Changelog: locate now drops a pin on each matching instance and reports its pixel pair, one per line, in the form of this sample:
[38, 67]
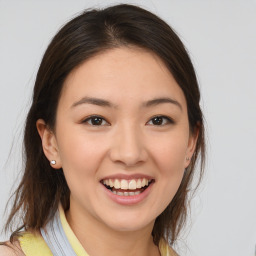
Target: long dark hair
[92, 32]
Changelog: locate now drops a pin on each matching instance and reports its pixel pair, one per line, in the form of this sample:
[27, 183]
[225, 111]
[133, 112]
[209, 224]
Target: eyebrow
[105, 103]
[158, 101]
[94, 101]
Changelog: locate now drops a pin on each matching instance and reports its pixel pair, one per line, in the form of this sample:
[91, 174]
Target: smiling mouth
[127, 187]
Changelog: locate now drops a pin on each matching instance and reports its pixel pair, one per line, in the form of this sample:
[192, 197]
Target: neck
[99, 239]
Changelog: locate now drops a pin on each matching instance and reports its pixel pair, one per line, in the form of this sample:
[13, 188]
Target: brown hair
[92, 32]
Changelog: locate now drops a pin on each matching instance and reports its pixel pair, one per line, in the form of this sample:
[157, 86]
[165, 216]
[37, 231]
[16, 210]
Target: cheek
[169, 154]
[80, 156]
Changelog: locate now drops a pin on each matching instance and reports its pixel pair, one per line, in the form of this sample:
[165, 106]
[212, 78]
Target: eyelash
[87, 120]
[168, 120]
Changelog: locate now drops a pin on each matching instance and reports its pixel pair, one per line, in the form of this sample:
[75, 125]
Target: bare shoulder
[10, 249]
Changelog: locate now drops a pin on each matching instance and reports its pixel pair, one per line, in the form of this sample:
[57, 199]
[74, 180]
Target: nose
[128, 147]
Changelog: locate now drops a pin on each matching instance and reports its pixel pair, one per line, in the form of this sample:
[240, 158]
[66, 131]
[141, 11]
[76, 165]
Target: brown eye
[160, 120]
[95, 121]
[157, 120]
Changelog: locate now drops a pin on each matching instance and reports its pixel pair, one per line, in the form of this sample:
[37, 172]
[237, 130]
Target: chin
[126, 223]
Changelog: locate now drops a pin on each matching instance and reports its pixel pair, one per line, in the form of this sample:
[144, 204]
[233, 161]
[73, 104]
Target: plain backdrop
[221, 38]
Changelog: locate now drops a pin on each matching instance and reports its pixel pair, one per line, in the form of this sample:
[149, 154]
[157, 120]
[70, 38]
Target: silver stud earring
[53, 162]
[187, 158]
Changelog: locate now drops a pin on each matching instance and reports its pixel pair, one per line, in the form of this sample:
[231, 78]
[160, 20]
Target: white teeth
[124, 184]
[132, 185]
[111, 184]
[126, 193]
[138, 185]
[117, 184]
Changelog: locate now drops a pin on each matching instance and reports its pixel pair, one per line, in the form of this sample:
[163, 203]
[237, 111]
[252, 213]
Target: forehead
[120, 74]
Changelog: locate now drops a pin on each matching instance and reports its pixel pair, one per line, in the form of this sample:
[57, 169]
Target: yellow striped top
[34, 244]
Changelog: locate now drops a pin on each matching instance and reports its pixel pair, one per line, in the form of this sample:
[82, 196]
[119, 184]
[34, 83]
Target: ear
[192, 142]
[49, 143]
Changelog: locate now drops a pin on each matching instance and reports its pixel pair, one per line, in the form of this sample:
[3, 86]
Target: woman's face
[121, 124]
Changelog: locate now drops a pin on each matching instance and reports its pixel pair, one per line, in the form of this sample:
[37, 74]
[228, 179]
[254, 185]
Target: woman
[111, 140]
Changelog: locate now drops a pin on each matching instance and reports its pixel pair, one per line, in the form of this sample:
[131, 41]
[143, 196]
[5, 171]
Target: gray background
[221, 38]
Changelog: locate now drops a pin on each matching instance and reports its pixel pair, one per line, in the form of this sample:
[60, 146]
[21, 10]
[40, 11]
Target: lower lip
[129, 200]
